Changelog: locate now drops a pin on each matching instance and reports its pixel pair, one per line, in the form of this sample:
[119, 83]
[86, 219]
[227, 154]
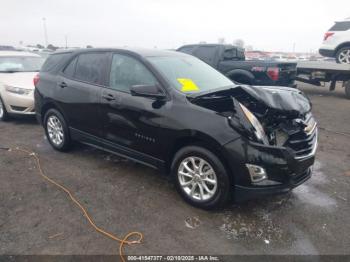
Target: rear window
[340, 26]
[90, 68]
[241, 53]
[234, 54]
[54, 61]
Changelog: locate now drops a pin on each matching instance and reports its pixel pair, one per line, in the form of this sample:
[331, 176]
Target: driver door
[130, 123]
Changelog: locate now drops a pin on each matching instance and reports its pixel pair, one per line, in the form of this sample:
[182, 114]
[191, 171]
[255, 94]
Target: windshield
[12, 64]
[189, 74]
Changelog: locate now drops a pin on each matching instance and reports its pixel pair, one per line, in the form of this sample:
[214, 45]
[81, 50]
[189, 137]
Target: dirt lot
[36, 218]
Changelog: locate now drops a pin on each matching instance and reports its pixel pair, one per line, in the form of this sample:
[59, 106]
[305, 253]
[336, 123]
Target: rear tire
[4, 116]
[208, 177]
[343, 55]
[56, 130]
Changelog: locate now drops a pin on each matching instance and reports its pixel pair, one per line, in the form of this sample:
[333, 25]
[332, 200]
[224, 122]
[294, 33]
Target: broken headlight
[258, 129]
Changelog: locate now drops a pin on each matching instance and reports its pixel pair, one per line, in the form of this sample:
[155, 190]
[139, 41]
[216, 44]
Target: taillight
[327, 35]
[36, 79]
[273, 73]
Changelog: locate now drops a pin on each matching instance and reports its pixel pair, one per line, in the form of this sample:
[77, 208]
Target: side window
[89, 68]
[206, 53]
[230, 54]
[70, 68]
[126, 71]
[340, 26]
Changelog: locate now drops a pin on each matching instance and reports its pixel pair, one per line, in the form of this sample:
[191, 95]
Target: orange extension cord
[92, 223]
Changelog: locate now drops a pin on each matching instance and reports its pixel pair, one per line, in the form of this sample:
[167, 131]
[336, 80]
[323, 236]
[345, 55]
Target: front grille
[304, 142]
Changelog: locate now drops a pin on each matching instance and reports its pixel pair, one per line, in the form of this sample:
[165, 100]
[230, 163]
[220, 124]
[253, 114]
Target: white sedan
[17, 71]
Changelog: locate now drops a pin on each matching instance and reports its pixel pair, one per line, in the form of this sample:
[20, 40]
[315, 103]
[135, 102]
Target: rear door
[79, 88]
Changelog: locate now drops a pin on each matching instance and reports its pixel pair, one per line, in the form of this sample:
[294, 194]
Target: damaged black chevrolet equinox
[173, 112]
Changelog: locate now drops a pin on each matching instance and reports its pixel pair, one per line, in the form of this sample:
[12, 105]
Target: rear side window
[90, 68]
[340, 26]
[70, 68]
[126, 71]
[54, 61]
[187, 49]
[206, 53]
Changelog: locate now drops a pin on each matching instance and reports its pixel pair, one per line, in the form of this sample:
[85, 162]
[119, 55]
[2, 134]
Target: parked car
[7, 48]
[230, 61]
[336, 42]
[17, 70]
[173, 112]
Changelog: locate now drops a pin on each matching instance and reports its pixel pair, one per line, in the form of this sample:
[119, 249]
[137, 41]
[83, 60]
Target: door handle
[108, 97]
[63, 84]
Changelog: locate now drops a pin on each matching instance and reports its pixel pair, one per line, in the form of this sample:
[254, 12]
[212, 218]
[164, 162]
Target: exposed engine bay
[284, 113]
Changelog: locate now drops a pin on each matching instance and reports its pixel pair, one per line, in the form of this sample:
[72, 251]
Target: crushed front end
[278, 142]
[287, 162]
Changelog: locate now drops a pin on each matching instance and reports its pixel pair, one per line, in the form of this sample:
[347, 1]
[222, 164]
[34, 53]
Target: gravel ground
[122, 196]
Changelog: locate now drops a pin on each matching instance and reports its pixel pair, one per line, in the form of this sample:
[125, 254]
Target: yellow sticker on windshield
[187, 85]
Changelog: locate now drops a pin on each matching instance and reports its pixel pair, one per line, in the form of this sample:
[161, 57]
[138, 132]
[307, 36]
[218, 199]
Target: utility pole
[66, 39]
[45, 32]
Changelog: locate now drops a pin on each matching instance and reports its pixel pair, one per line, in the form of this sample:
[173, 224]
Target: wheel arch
[241, 73]
[341, 46]
[51, 105]
[197, 139]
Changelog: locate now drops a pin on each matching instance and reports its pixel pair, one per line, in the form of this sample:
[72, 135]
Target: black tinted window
[187, 49]
[90, 67]
[340, 26]
[70, 68]
[127, 71]
[206, 53]
[54, 61]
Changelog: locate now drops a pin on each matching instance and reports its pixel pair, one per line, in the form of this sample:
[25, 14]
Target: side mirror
[152, 91]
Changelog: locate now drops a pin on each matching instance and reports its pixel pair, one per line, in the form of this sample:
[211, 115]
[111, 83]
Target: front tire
[343, 55]
[4, 116]
[56, 130]
[201, 178]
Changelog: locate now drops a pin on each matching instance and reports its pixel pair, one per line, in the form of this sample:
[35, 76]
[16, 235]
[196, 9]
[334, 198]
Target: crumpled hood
[18, 79]
[279, 98]
[275, 101]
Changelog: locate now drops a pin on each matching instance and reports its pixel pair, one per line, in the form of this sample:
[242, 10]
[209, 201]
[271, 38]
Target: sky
[269, 25]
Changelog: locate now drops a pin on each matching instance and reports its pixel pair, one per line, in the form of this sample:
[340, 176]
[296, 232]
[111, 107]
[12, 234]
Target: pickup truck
[230, 60]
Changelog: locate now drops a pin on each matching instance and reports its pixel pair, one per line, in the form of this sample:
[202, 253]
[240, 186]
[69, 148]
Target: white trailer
[318, 72]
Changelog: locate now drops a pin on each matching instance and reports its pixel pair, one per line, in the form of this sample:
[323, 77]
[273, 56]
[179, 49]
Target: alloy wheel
[344, 56]
[197, 178]
[55, 130]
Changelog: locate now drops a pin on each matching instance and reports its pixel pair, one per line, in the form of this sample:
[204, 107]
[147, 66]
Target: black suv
[173, 112]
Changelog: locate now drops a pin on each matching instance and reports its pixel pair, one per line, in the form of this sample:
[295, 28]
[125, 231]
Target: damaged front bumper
[283, 167]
